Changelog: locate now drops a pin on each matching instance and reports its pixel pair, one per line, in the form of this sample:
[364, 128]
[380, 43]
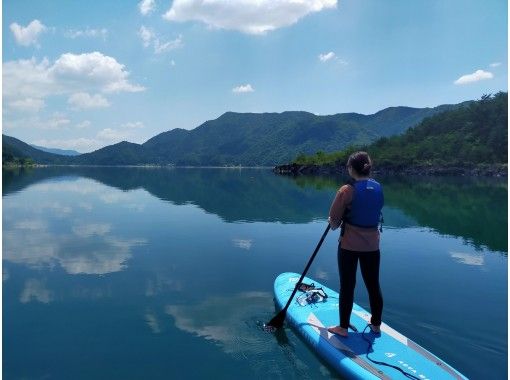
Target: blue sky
[83, 75]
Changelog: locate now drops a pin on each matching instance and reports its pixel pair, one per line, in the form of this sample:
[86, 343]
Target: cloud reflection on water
[245, 244]
[31, 225]
[468, 259]
[162, 284]
[88, 254]
[152, 322]
[35, 290]
[90, 229]
[234, 324]
[49, 225]
[225, 320]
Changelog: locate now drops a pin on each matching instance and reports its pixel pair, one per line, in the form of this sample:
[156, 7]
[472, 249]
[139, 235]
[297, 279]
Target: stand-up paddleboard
[351, 356]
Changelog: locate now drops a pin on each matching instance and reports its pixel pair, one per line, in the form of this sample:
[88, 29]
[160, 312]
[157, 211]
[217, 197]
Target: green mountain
[272, 138]
[17, 152]
[248, 139]
[123, 153]
[464, 136]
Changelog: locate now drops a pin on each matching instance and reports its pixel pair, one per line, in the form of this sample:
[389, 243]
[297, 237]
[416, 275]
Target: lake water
[133, 273]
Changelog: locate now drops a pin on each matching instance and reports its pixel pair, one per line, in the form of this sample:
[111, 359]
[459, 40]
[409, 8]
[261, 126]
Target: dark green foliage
[464, 136]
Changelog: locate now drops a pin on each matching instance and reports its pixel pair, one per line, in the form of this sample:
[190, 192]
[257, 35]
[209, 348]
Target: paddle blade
[277, 321]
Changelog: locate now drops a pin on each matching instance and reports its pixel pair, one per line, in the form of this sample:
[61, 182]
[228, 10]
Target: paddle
[277, 321]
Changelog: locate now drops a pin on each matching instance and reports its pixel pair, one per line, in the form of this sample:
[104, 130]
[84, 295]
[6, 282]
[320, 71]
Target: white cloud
[161, 47]
[80, 144]
[57, 121]
[110, 135]
[74, 33]
[149, 37]
[83, 124]
[331, 56]
[248, 16]
[243, 89]
[27, 79]
[94, 70]
[70, 73]
[106, 136]
[28, 35]
[146, 6]
[26, 105]
[85, 100]
[54, 122]
[134, 125]
[326, 56]
[495, 64]
[172, 63]
[478, 75]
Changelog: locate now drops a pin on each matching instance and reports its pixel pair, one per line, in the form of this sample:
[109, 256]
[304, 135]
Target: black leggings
[347, 267]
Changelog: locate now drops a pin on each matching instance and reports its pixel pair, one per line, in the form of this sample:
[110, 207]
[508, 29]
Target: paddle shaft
[306, 268]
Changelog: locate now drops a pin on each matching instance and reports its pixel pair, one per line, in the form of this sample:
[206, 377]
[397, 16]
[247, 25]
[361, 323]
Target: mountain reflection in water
[474, 209]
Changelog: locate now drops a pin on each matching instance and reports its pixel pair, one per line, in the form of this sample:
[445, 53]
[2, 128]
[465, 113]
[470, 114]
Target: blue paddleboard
[351, 356]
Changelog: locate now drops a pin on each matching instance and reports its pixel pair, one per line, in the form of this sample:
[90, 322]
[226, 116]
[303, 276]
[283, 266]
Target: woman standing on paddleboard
[357, 210]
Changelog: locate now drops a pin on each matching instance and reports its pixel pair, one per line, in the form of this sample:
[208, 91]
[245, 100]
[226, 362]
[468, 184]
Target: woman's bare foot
[338, 331]
[375, 329]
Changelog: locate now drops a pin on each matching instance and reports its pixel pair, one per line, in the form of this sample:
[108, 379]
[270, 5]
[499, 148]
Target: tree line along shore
[469, 140]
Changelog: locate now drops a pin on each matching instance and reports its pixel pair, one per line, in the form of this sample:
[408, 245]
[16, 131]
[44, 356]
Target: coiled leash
[370, 344]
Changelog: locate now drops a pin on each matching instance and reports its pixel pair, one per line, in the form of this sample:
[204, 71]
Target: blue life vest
[366, 206]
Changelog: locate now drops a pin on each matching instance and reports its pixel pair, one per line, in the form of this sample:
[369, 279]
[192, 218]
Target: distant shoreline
[149, 166]
[482, 170]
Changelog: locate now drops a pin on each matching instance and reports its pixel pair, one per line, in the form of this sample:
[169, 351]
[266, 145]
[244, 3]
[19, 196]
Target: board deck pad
[348, 356]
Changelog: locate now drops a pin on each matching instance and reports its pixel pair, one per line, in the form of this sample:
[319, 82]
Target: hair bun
[360, 162]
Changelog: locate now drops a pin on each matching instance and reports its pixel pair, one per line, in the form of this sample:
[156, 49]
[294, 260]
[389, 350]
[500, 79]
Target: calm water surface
[133, 273]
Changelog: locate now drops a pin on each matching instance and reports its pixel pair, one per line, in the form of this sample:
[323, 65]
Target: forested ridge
[476, 134]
